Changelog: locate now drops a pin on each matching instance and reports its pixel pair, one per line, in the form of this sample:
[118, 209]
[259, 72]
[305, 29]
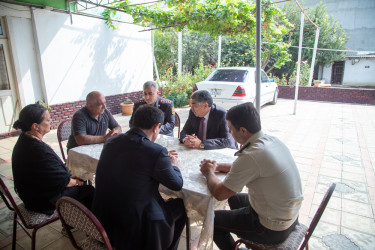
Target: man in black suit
[206, 126]
[127, 201]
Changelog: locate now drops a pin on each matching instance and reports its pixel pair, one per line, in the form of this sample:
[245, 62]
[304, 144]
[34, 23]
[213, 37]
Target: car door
[266, 88]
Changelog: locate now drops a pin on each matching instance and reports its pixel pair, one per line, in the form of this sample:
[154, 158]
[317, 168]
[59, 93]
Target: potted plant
[127, 107]
[40, 102]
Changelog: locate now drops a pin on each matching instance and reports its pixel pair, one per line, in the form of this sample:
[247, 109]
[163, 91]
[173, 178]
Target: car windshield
[228, 75]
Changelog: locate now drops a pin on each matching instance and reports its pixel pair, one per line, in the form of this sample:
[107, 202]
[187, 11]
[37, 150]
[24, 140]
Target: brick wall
[330, 94]
[61, 112]
[65, 111]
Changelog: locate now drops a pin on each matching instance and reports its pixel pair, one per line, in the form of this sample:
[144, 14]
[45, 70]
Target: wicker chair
[294, 239]
[75, 215]
[25, 218]
[63, 133]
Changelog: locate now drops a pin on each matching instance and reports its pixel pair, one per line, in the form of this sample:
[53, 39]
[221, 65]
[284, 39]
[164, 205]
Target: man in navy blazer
[206, 126]
[127, 200]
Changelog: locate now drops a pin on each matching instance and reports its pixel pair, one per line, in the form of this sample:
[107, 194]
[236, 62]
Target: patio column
[299, 62]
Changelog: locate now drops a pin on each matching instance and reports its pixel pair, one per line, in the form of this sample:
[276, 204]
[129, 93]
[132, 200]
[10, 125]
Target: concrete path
[331, 142]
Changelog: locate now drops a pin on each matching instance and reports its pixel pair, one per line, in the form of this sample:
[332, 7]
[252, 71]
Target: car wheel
[275, 95]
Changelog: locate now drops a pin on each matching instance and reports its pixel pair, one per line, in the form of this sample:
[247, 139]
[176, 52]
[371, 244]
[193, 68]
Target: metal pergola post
[314, 56]
[299, 62]
[258, 53]
[219, 53]
[179, 71]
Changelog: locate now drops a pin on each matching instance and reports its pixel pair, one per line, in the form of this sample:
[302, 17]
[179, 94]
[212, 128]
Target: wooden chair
[63, 133]
[177, 123]
[294, 239]
[25, 218]
[75, 215]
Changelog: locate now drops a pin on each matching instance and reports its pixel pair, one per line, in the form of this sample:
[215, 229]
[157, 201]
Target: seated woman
[40, 177]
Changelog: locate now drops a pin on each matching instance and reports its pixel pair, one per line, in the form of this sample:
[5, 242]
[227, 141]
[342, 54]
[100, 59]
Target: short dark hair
[146, 116]
[30, 114]
[150, 84]
[244, 115]
[202, 96]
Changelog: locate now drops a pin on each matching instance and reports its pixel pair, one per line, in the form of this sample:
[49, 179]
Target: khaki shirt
[268, 170]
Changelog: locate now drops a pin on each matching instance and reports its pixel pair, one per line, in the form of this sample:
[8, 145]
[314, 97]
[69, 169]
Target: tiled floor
[330, 142]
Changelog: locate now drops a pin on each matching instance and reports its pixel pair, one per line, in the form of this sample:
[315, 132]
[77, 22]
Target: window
[228, 75]
[2, 29]
[4, 80]
[263, 77]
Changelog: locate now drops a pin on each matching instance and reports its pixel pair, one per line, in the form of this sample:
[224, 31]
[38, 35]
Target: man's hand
[192, 141]
[115, 131]
[174, 157]
[207, 167]
[110, 134]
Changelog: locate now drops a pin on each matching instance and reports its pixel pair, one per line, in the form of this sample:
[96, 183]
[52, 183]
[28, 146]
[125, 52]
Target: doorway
[337, 72]
[8, 104]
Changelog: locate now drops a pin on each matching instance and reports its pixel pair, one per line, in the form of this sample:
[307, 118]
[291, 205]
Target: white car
[235, 85]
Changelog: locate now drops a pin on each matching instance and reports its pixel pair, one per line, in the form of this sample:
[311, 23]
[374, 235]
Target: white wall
[361, 73]
[85, 56]
[327, 71]
[24, 59]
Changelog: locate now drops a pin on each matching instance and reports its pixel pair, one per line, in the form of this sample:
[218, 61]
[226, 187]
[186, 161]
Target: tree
[332, 36]
[235, 19]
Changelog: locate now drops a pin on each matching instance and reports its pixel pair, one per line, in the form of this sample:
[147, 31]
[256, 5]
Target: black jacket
[217, 136]
[164, 105]
[127, 199]
[39, 174]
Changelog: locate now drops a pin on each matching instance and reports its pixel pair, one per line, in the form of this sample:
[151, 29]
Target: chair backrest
[72, 213]
[177, 123]
[63, 132]
[7, 196]
[318, 214]
[10, 202]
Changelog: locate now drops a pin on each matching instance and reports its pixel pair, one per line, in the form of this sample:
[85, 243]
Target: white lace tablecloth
[199, 203]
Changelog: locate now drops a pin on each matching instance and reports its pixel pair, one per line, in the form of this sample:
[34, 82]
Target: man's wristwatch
[201, 145]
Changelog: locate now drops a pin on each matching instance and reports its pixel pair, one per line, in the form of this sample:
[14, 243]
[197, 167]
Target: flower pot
[127, 109]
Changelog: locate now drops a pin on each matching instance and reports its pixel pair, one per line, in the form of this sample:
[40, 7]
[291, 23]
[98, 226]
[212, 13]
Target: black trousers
[166, 234]
[83, 194]
[243, 221]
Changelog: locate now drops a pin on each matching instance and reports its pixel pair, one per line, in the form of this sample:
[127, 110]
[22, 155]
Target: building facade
[48, 55]
[358, 20]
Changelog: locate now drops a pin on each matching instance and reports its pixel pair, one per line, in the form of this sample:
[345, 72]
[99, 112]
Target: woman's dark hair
[244, 115]
[147, 116]
[30, 114]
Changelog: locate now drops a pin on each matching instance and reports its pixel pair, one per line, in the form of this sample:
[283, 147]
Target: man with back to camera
[268, 213]
[206, 126]
[150, 96]
[90, 123]
[127, 200]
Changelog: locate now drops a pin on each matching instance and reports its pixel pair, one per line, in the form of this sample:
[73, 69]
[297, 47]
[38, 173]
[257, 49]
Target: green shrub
[179, 88]
[280, 81]
[304, 73]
